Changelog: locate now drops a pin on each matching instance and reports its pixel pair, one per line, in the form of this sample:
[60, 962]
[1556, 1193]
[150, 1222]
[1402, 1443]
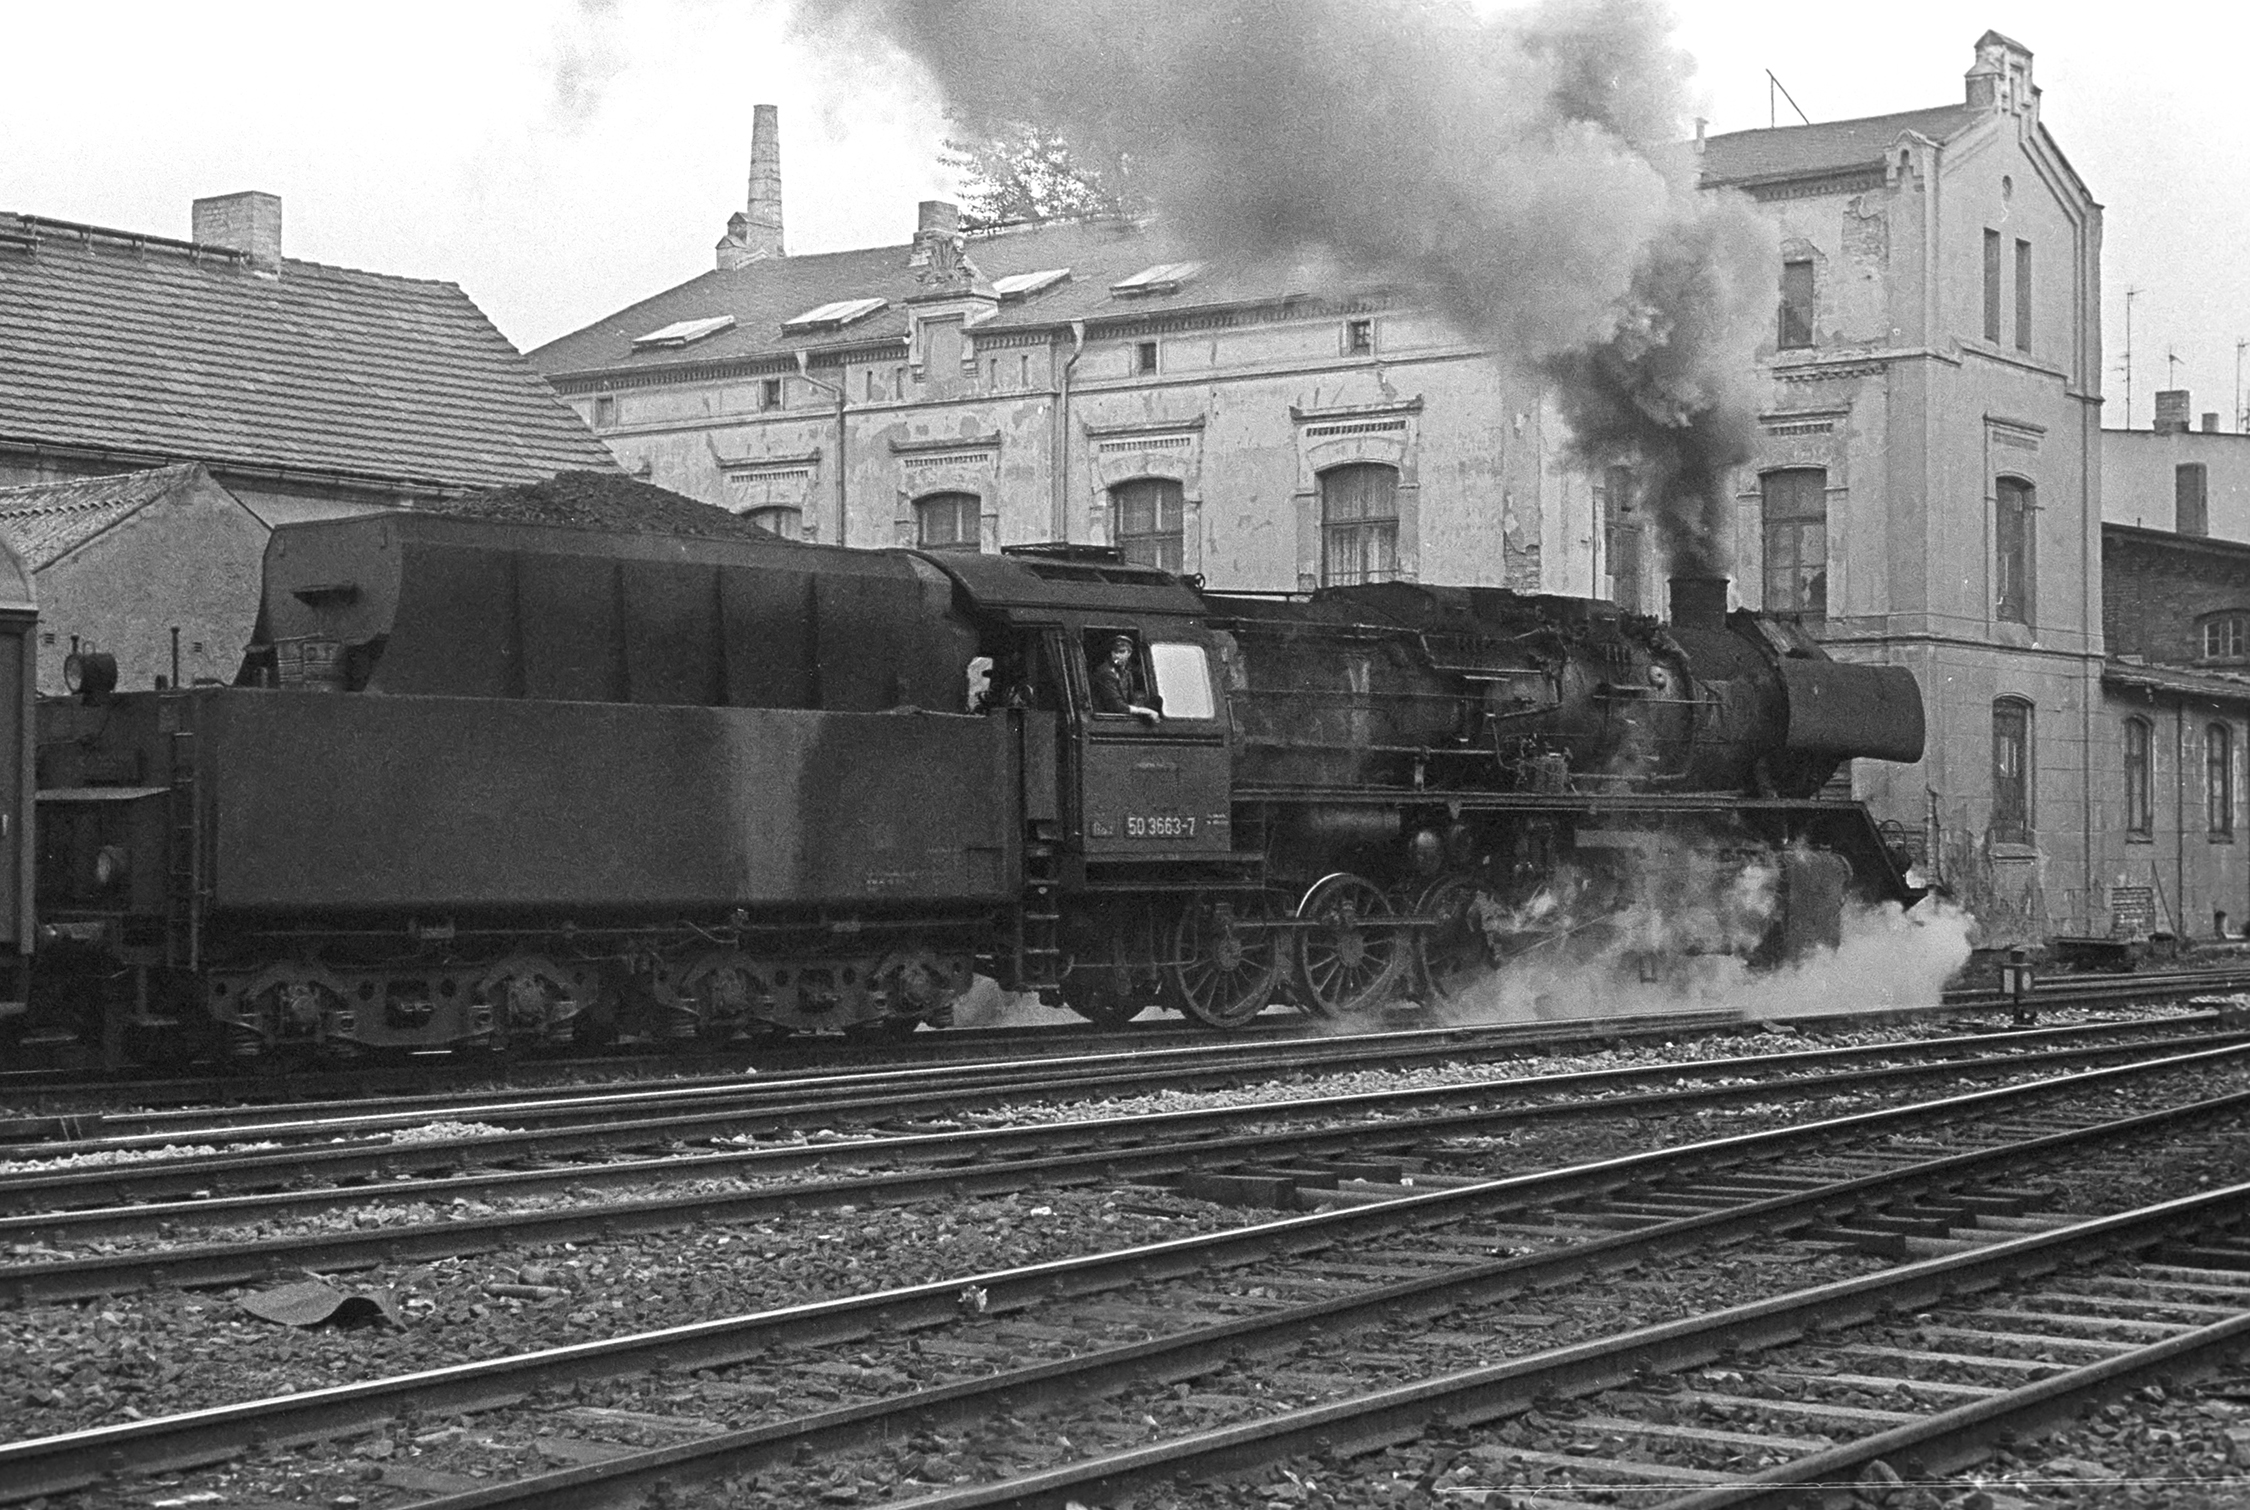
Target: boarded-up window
[2139, 811]
[2011, 771]
[1796, 304]
[2218, 779]
[2191, 499]
[1358, 524]
[2014, 507]
[947, 521]
[1992, 286]
[1795, 504]
[1146, 521]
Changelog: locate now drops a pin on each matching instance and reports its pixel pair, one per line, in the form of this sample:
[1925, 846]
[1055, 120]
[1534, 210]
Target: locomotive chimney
[1699, 602]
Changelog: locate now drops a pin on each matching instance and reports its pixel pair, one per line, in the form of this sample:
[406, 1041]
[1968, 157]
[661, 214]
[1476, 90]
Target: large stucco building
[1927, 488]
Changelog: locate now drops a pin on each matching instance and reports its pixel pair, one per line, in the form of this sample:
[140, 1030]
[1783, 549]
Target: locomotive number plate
[1159, 826]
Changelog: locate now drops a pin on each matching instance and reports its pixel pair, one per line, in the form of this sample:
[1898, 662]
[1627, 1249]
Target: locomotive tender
[493, 784]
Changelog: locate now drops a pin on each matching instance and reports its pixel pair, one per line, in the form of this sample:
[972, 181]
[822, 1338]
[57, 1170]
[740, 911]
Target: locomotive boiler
[504, 785]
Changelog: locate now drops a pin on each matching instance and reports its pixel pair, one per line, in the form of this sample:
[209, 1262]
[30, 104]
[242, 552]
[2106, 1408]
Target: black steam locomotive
[513, 786]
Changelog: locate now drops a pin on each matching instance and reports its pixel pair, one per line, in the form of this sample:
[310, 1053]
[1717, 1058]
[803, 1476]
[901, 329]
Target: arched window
[2011, 771]
[2226, 636]
[1795, 507]
[782, 520]
[2218, 779]
[1358, 524]
[2140, 818]
[948, 521]
[1146, 517]
[2015, 505]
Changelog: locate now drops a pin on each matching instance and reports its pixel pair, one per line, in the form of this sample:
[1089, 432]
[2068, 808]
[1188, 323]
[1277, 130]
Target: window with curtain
[2011, 771]
[1147, 521]
[1358, 524]
[2140, 815]
[2014, 505]
[948, 521]
[1795, 506]
[2218, 779]
[786, 522]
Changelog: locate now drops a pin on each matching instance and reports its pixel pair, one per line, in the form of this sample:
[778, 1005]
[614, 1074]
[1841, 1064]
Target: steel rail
[54, 1464]
[628, 1480]
[185, 1179]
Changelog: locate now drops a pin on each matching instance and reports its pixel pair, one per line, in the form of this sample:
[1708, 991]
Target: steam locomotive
[512, 786]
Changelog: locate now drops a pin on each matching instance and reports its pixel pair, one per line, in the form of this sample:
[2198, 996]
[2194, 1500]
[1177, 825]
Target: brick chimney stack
[247, 222]
[754, 233]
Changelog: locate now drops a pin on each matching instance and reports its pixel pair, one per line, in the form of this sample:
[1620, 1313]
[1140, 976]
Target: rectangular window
[2023, 296]
[1621, 537]
[1358, 524]
[1359, 338]
[1795, 508]
[1023, 371]
[2140, 820]
[1796, 304]
[1992, 286]
[2012, 550]
[605, 411]
[1144, 359]
[2011, 773]
[2218, 779]
[2226, 637]
[2191, 499]
[769, 394]
[948, 522]
[1183, 680]
[898, 383]
[1147, 521]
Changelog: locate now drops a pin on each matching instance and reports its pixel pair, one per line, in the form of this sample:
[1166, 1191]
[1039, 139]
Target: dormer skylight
[1164, 278]
[680, 332]
[832, 316]
[1024, 285]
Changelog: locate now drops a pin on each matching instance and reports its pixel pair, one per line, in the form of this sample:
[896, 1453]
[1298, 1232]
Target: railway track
[1343, 1296]
[31, 1088]
[1199, 1152]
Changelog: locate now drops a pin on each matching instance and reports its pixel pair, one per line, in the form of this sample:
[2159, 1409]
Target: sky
[561, 159]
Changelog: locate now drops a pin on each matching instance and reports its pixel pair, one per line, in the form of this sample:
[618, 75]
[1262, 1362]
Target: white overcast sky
[560, 160]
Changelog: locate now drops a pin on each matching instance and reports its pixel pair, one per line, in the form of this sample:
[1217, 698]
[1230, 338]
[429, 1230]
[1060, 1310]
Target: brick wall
[2156, 589]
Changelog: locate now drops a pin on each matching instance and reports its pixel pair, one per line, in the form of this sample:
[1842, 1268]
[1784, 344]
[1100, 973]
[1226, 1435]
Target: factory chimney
[1699, 603]
[754, 234]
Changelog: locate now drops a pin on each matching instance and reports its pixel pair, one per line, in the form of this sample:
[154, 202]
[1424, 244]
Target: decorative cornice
[1396, 407]
[1147, 427]
[955, 443]
[765, 462]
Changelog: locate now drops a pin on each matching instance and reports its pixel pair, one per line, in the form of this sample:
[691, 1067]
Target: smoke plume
[1511, 171]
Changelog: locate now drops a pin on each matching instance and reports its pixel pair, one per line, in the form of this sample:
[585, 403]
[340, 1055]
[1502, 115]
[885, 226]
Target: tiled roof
[761, 295]
[1827, 146]
[154, 347]
[601, 501]
[46, 521]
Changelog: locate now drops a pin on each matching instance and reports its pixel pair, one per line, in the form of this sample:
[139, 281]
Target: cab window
[1183, 680]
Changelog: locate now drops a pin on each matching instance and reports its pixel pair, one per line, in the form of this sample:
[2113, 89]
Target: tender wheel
[1225, 963]
[1352, 956]
[1454, 954]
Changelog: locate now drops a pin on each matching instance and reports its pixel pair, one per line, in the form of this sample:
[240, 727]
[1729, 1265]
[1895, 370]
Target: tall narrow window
[1359, 338]
[1358, 524]
[1992, 286]
[2011, 771]
[605, 410]
[2191, 499]
[1795, 504]
[1146, 521]
[2014, 509]
[2140, 817]
[1621, 534]
[1796, 304]
[2218, 779]
[947, 521]
[769, 394]
[2023, 296]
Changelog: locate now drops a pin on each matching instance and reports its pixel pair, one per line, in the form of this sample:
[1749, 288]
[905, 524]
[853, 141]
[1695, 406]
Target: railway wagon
[483, 784]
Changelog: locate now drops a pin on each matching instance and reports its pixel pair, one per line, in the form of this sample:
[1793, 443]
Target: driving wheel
[1350, 955]
[1225, 960]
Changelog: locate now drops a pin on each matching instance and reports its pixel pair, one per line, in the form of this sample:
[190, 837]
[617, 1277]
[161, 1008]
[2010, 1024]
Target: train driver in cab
[1118, 688]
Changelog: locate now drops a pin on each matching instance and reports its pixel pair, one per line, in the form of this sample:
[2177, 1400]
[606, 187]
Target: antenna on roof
[1773, 84]
[2172, 367]
[2130, 295]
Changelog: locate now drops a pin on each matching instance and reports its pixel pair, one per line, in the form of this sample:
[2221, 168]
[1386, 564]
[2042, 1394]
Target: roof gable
[44, 522]
[142, 345]
[1825, 147]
